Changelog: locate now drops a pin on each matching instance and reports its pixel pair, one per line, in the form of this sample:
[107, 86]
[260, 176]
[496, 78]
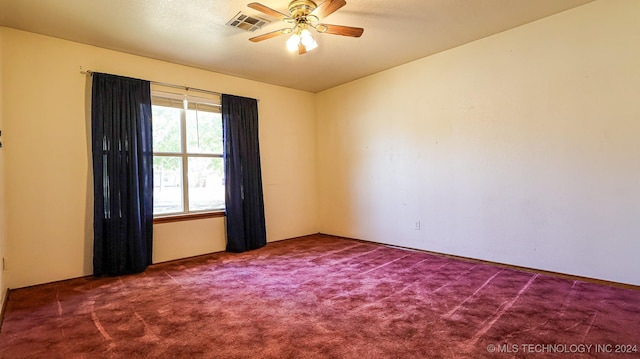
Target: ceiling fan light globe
[293, 42]
[306, 39]
[311, 46]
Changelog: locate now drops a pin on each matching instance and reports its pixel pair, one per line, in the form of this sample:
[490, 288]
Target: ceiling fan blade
[267, 10]
[328, 7]
[340, 30]
[269, 35]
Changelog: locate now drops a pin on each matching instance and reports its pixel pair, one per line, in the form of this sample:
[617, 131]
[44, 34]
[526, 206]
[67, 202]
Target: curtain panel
[243, 177]
[122, 174]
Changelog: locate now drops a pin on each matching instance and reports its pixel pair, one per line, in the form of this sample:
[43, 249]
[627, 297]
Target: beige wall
[520, 148]
[3, 285]
[47, 158]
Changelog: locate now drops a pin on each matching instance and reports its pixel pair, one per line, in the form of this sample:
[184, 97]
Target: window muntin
[188, 164]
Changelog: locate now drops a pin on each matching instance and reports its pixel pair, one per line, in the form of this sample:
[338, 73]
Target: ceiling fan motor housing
[301, 8]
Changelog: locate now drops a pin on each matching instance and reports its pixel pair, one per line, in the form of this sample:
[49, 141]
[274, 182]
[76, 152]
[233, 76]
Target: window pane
[167, 185]
[204, 132]
[206, 184]
[166, 129]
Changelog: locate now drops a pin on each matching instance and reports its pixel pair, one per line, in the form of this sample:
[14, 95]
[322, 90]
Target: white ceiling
[194, 33]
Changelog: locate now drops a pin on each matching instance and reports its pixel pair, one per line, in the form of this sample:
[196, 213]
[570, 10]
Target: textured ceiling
[194, 33]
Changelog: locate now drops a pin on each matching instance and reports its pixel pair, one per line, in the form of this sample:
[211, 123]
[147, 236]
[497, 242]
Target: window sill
[187, 217]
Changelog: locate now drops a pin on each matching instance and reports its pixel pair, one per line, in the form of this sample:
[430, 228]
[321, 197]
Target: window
[188, 170]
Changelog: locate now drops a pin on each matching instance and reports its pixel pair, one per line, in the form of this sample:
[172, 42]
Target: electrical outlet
[417, 226]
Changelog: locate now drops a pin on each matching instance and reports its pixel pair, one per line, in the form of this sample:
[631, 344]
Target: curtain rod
[89, 72]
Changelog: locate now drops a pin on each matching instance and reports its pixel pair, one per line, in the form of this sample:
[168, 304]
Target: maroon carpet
[322, 297]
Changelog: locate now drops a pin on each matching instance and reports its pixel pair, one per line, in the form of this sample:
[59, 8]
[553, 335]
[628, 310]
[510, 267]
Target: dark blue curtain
[243, 177]
[122, 174]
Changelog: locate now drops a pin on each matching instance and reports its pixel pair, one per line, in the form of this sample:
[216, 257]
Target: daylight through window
[188, 170]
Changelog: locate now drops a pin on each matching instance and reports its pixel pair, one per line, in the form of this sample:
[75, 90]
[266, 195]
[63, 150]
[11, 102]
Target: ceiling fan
[305, 14]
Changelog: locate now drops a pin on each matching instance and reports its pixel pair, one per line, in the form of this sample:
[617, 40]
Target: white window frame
[184, 156]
